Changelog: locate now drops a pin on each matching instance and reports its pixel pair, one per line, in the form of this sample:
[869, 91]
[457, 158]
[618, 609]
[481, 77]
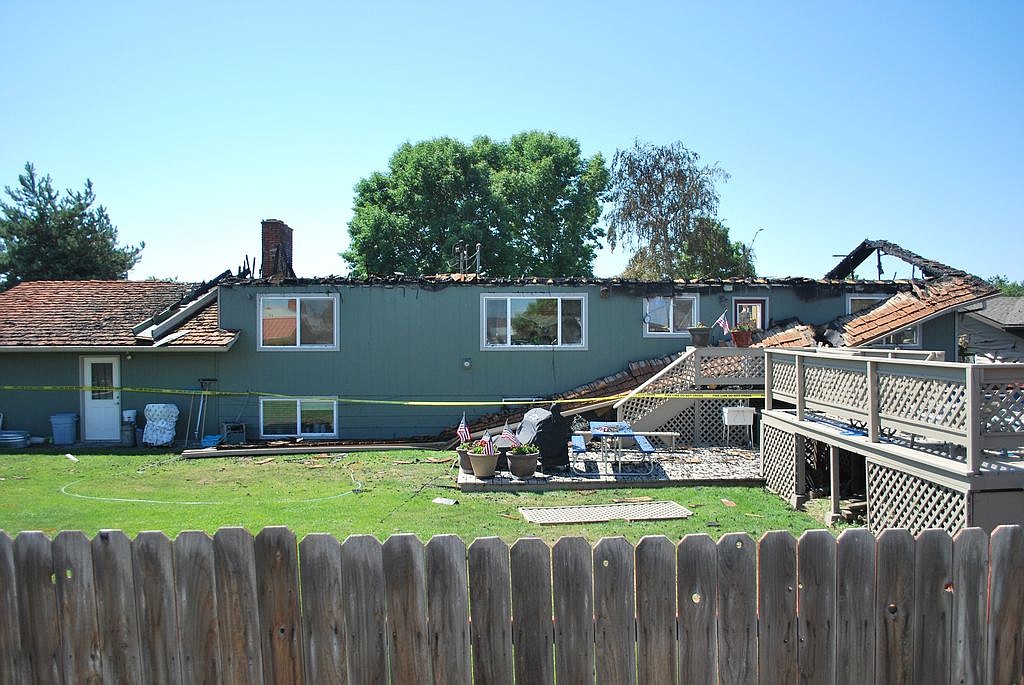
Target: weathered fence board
[737, 610]
[156, 602]
[234, 609]
[196, 595]
[855, 607]
[490, 604]
[572, 573]
[655, 610]
[76, 607]
[406, 591]
[933, 603]
[237, 607]
[532, 632]
[816, 599]
[614, 623]
[362, 568]
[448, 607]
[697, 596]
[323, 611]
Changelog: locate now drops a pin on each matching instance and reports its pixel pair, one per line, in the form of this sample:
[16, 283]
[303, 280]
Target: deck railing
[977, 406]
[699, 368]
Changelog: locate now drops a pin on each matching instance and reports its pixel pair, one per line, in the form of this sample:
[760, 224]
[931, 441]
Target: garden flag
[507, 434]
[724, 323]
[463, 430]
[488, 444]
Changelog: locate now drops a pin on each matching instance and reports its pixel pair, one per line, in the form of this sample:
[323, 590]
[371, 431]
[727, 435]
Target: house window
[307, 418]
[669, 315]
[905, 337]
[524, 321]
[307, 322]
[753, 311]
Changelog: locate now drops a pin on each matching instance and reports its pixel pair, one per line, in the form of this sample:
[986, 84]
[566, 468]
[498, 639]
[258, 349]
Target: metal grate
[901, 500]
[778, 454]
[599, 513]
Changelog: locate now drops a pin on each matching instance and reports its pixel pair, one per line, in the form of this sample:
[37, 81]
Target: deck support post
[769, 361]
[835, 513]
[974, 427]
[799, 387]
[873, 421]
[799, 471]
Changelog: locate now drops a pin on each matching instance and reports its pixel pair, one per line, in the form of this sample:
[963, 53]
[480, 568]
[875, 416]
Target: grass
[380, 493]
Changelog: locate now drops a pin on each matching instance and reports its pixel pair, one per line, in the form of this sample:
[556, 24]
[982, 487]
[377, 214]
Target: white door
[101, 402]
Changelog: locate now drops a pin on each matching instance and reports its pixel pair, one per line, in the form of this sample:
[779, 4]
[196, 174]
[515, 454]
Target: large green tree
[1007, 287]
[531, 202]
[664, 203]
[45, 235]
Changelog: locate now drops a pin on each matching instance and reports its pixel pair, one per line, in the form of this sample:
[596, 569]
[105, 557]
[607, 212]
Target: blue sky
[837, 122]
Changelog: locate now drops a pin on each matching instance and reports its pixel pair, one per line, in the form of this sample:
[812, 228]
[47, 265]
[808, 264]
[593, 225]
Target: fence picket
[970, 606]
[196, 585]
[697, 597]
[323, 612]
[238, 612]
[490, 609]
[572, 573]
[155, 603]
[1005, 658]
[406, 591]
[116, 613]
[655, 609]
[277, 592]
[614, 617]
[816, 583]
[894, 608]
[855, 607]
[448, 608]
[37, 606]
[362, 572]
[737, 610]
[933, 605]
[532, 631]
[777, 629]
[10, 635]
[76, 607]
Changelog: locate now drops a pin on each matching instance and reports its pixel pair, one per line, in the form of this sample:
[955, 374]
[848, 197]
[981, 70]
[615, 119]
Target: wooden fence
[233, 608]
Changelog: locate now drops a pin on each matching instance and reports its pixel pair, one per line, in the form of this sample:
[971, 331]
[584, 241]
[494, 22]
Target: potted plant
[700, 334]
[483, 464]
[743, 334]
[522, 460]
[463, 451]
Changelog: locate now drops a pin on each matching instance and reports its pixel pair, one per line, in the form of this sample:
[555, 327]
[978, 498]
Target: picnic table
[611, 434]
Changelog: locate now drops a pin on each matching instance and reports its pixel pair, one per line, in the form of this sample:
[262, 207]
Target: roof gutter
[110, 349]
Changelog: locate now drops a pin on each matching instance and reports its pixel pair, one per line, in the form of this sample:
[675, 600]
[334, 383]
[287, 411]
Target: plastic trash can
[65, 428]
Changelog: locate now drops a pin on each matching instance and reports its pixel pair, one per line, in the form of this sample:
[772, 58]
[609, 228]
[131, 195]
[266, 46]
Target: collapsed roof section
[929, 268]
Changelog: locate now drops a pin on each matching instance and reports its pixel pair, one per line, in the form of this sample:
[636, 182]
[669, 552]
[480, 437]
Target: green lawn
[362, 492]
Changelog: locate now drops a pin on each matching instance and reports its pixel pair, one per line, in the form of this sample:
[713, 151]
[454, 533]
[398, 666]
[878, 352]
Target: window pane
[278, 318]
[859, 304]
[749, 313]
[317, 417]
[279, 417]
[534, 321]
[317, 321]
[908, 336]
[682, 314]
[102, 377]
[497, 325]
[572, 322]
[657, 315]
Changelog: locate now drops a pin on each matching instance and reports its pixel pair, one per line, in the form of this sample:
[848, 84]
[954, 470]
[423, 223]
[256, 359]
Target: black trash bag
[550, 432]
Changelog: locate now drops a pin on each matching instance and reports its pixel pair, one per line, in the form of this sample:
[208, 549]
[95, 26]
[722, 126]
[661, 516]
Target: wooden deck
[689, 466]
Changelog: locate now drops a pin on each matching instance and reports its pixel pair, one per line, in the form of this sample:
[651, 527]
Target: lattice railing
[935, 401]
[778, 461]
[1002, 407]
[784, 377]
[838, 386]
[897, 499]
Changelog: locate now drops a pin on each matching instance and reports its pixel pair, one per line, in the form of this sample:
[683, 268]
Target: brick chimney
[277, 250]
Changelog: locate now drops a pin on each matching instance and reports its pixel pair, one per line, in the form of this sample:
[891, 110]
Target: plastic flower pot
[701, 336]
[483, 464]
[523, 465]
[464, 462]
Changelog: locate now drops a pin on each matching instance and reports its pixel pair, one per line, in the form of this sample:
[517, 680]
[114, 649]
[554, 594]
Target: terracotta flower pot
[742, 338]
[483, 465]
[523, 465]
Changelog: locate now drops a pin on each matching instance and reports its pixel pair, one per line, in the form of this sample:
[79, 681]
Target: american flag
[488, 444]
[507, 434]
[463, 430]
[724, 323]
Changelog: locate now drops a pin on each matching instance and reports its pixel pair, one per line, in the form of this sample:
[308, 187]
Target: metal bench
[643, 444]
[579, 446]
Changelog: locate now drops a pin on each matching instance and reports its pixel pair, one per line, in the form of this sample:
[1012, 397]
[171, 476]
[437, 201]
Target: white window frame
[765, 314]
[670, 333]
[508, 297]
[298, 418]
[887, 341]
[298, 297]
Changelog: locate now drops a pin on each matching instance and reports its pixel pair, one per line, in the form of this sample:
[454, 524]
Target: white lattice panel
[739, 366]
[684, 423]
[1002, 407]
[784, 377]
[930, 400]
[900, 500]
[778, 454]
[837, 386]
